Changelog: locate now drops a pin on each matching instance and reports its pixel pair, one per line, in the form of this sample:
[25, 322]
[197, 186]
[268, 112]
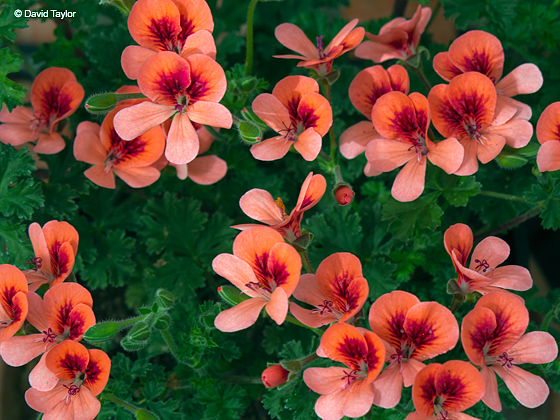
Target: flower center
[50, 336]
[261, 290]
[483, 267]
[472, 128]
[326, 306]
[419, 143]
[439, 411]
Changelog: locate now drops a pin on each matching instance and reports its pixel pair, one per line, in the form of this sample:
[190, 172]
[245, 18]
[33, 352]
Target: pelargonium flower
[55, 95]
[274, 375]
[64, 313]
[55, 246]
[403, 121]
[483, 274]
[412, 332]
[548, 135]
[183, 88]
[442, 392]
[398, 38]
[263, 267]
[482, 52]
[337, 290]
[13, 300]
[493, 338]
[467, 110]
[259, 205]
[346, 391]
[318, 58]
[130, 160]
[366, 88]
[182, 26]
[297, 112]
[82, 374]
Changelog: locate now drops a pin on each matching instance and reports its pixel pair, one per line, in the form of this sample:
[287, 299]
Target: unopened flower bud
[139, 333]
[343, 195]
[146, 415]
[250, 133]
[162, 322]
[232, 295]
[101, 332]
[274, 375]
[133, 346]
[164, 299]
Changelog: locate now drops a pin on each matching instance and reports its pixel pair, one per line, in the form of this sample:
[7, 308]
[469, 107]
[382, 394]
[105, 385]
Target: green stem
[419, 71]
[216, 134]
[171, 344]
[503, 196]
[457, 301]
[535, 211]
[327, 94]
[305, 260]
[547, 320]
[125, 323]
[119, 402]
[294, 321]
[249, 59]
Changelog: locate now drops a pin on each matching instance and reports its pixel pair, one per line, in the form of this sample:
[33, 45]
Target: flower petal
[354, 140]
[182, 140]
[548, 156]
[461, 382]
[369, 85]
[524, 79]
[517, 132]
[271, 149]
[491, 397]
[277, 308]
[292, 37]
[409, 183]
[207, 170]
[478, 329]
[530, 390]
[388, 388]
[237, 271]
[210, 113]
[259, 205]
[386, 155]
[241, 316]
[132, 59]
[284, 264]
[309, 144]
[448, 155]
[99, 176]
[271, 110]
[136, 120]
[537, 347]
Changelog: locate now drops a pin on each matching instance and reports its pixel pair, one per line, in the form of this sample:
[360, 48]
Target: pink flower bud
[274, 375]
[343, 195]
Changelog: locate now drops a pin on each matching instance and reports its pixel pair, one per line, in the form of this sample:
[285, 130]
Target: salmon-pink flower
[316, 57]
[441, 392]
[259, 205]
[482, 52]
[263, 267]
[398, 38]
[347, 391]
[64, 313]
[82, 374]
[366, 88]
[55, 95]
[297, 112]
[13, 300]
[130, 160]
[182, 26]
[493, 338]
[483, 274]
[187, 89]
[467, 110]
[412, 332]
[55, 246]
[337, 291]
[343, 195]
[548, 135]
[403, 121]
[274, 375]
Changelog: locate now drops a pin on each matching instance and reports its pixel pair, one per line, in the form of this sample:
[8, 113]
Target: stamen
[72, 389]
[505, 360]
[36, 261]
[290, 131]
[282, 207]
[483, 266]
[50, 336]
[350, 377]
[326, 306]
[320, 46]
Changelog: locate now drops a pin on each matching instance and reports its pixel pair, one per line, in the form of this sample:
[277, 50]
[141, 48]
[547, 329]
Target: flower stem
[171, 345]
[535, 211]
[327, 93]
[419, 71]
[503, 196]
[547, 320]
[249, 59]
[457, 301]
[134, 410]
[305, 260]
[294, 321]
[125, 323]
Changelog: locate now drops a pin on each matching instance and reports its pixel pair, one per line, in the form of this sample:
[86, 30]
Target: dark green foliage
[11, 93]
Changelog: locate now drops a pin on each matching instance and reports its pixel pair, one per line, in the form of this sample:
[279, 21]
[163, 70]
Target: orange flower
[366, 88]
[55, 95]
[403, 122]
[466, 109]
[337, 291]
[13, 300]
[493, 338]
[55, 246]
[398, 38]
[63, 314]
[343, 195]
[263, 267]
[318, 58]
[185, 89]
[482, 52]
[346, 391]
[182, 26]
[483, 274]
[274, 375]
[82, 374]
[297, 111]
[441, 392]
[413, 332]
[259, 205]
[548, 135]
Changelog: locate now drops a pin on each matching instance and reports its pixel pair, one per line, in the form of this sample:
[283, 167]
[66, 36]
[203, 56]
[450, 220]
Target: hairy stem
[171, 344]
[327, 93]
[535, 211]
[249, 59]
[503, 196]
[121, 403]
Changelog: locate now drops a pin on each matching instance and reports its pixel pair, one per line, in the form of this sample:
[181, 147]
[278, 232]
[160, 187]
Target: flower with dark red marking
[297, 112]
[55, 246]
[318, 58]
[482, 52]
[274, 375]
[483, 274]
[182, 26]
[63, 314]
[493, 338]
[441, 392]
[259, 205]
[55, 95]
[13, 300]
[366, 88]
[183, 88]
[548, 135]
[263, 267]
[337, 291]
[346, 391]
[398, 38]
[413, 332]
[403, 121]
[467, 110]
[82, 374]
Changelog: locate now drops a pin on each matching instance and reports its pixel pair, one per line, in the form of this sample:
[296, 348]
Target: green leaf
[9, 22]
[11, 93]
[458, 190]
[15, 247]
[551, 214]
